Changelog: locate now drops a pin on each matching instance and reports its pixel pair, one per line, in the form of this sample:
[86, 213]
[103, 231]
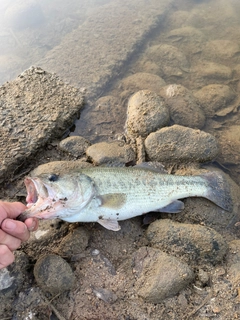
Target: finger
[11, 242]
[32, 224]
[6, 256]
[16, 229]
[10, 210]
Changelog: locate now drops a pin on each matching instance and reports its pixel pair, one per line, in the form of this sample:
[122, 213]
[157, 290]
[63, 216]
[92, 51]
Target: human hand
[12, 232]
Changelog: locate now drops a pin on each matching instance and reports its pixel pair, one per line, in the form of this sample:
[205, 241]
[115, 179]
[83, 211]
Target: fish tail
[219, 190]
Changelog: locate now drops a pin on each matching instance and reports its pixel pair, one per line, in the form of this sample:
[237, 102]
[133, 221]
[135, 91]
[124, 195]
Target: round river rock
[74, 145]
[146, 113]
[53, 274]
[180, 144]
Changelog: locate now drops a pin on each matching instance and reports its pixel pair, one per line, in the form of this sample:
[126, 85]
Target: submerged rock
[180, 144]
[146, 113]
[53, 274]
[214, 97]
[159, 275]
[221, 49]
[192, 242]
[112, 152]
[184, 108]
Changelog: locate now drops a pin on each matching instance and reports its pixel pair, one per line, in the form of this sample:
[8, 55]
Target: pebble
[229, 140]
[74, 145]
[142, 81]
[74, 243]
[111, 152]
[146, 113]
[214, 97]
[171, 60]
[184, 109]
[190, 241]
[159, 275]
[53, 274]
[180, 144]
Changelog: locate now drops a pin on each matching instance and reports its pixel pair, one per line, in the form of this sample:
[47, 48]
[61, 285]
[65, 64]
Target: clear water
[201, 30]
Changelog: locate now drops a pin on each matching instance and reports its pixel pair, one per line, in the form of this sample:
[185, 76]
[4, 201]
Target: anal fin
[173, 207]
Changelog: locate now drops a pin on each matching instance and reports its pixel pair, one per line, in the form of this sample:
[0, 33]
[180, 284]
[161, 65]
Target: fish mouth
[41, 202]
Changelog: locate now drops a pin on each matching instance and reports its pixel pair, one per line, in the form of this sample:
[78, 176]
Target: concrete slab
[34, 108]
[93, 54]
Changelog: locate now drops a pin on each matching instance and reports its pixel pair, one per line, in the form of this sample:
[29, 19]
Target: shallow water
[205, 36]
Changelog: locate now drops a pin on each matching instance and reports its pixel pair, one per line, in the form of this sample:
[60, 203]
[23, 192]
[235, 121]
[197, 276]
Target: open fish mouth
[41, 200]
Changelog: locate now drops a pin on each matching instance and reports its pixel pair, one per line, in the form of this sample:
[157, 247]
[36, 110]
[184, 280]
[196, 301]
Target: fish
[108, 195]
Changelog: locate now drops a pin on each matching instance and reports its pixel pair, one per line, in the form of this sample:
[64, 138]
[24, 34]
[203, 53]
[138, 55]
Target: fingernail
[10, 225]
[32, 226]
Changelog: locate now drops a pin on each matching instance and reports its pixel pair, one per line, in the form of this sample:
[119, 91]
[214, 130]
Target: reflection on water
[196, 46]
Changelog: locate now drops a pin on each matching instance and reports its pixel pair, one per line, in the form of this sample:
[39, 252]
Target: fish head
[57, 196]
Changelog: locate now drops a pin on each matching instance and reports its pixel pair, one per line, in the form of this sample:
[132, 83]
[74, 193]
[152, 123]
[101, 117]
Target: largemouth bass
[108, 195]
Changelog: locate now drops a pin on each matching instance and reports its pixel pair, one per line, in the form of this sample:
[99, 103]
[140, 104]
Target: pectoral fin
[112, 200]
[174, 207]
[109, 224]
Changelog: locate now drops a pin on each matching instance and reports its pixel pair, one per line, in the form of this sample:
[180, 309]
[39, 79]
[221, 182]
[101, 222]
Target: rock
[172, 61]
[146, 113]
[37, 102]
[214, 97]
[159, 275]
[180, 144]
[222, 50]
[107, 118]
[184, 108]
[60, 167]
[24, 14]
[142, 81]
[53, 274]
[229, 140]
[116, 151]
[187, 38]
[207, 72]
[12, 281]
[178, 18]
[74, 243]
[190, 241]
[74, 145]
[233, 261]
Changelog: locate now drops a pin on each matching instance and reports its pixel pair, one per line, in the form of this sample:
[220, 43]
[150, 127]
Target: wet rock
[187, 38]
[74, 243]
[24, 14]
[53, 274]
[180, 144]
[146, 113]
[207, 72]
[192, 242]
[184, 108]
[229, 140]
[107, 118]
[159, 275]
[142, 81]
[222, 50]
[60, 167]
[214, 97]
[74, 145]
[172, 61]
[111, 152]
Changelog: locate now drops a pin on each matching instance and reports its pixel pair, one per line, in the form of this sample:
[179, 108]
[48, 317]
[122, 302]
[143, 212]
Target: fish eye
[53, 177]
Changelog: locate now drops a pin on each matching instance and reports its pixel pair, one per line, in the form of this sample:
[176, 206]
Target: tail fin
[219, 190]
